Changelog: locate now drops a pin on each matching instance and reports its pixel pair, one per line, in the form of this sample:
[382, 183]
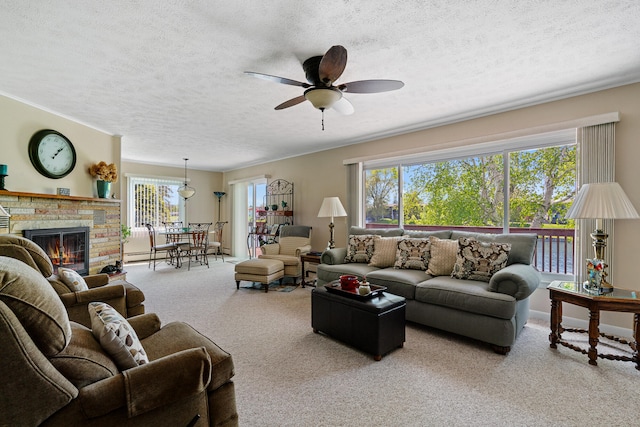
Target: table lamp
[331, 207]
[602, 200]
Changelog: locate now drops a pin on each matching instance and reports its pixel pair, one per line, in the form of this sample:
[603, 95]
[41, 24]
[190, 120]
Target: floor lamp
[602, 200]
[219, 195]
[331, 207]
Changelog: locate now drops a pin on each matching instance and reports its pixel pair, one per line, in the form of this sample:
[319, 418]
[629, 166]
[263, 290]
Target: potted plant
[106, 174]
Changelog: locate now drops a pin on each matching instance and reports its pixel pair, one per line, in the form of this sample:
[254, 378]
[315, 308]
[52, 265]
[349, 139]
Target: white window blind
[153, 200]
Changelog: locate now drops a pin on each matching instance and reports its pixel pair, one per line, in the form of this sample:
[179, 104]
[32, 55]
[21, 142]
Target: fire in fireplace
[67, 247]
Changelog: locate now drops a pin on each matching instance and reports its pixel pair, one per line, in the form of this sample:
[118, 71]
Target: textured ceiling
[168, 75]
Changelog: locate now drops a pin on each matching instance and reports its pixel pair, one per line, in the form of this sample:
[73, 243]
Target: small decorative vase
[104, 189]
[364, 288]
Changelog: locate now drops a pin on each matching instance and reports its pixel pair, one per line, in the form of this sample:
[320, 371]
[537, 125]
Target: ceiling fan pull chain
[322, 109]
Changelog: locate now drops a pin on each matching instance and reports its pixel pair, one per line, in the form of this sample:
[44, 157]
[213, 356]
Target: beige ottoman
[263, 271]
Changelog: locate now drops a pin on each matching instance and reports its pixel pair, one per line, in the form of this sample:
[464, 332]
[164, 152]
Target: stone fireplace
[33, 211]
[67, 247]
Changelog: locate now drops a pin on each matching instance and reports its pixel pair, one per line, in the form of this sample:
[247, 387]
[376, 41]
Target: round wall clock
[52, 154]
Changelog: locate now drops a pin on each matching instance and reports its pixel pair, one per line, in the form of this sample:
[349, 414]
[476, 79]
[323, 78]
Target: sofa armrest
[96, 280]
[303, 250]
[517, 280]
[271, 249]
[76, 302]
[151, 386]
[145, 325]
[334, 256]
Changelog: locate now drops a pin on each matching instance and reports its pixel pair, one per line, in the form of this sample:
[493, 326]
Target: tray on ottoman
[335, 288]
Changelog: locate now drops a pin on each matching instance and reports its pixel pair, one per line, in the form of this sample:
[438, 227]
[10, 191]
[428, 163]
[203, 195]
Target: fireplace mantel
[39, 211]
[55, 196]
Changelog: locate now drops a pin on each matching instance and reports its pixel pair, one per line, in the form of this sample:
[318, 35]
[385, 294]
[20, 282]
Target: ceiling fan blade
[332, 64]
[371, 86]
[343, 106]
[277, 79]
[290, 103]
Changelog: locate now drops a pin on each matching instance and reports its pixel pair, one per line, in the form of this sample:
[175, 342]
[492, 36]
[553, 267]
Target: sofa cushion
[523, 245]
[384, 232]
[442, 256]
[398, 281]
[331, 272]
[36, 305]
[384, 251]
[477, 260]
[116, 336]
[466, 295]
[72, 279]
[286, 259]
[360, 248]
[84, 361]
[288, 245]
[412, 253]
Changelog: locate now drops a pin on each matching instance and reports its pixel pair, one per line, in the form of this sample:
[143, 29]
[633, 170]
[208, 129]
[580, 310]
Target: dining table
[180, 236]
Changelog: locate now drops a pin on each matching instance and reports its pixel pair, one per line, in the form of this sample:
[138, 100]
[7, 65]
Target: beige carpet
[288, 376]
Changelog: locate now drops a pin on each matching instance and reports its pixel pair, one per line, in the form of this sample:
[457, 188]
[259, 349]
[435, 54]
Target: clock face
[52, 154]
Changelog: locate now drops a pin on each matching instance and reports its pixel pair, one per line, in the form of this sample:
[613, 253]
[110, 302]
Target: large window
[154, 201]
[518, 189]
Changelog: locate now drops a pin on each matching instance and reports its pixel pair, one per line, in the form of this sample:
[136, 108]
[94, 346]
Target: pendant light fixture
[185, 191]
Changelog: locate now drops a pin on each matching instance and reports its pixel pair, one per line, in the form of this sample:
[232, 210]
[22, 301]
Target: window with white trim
[153, 200]
[521, 185]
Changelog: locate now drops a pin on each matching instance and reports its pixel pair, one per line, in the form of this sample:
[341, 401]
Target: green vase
[104, 189]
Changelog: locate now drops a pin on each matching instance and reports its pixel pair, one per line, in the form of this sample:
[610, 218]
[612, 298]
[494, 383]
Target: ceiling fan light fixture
[322, 98]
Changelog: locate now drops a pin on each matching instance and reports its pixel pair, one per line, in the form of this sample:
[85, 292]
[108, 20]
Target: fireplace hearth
[66, 247]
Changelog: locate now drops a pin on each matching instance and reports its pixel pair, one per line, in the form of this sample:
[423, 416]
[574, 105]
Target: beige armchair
[55, 373]
[126, 298]
[294, 240]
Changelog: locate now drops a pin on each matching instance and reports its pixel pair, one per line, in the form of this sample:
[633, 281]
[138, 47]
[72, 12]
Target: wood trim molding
[55, 196]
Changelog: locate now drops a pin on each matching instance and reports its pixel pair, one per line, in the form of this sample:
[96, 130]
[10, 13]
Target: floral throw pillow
[72, 279]
[360, 248]
[412, 253]
[116, 336]
[479, 260]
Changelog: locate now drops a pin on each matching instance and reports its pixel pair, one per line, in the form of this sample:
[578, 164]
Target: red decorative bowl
[349, 282]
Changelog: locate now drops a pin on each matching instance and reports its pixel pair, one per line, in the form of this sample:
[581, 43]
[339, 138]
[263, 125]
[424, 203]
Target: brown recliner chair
[126, 298]
[55, 373]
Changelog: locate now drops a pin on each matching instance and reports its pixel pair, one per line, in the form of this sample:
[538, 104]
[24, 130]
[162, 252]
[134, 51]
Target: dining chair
[173, 229]
[217, 243]
[198, 243]
[170, 249]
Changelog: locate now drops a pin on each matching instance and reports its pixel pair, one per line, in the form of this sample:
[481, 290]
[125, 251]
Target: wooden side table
[312, 258]
[117, 276]
[620, 300]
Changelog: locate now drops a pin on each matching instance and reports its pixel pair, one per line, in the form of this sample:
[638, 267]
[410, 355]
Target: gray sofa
[493, 312]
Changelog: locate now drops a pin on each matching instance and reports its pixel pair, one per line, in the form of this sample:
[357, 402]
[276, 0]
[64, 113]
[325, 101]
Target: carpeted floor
[288, 376]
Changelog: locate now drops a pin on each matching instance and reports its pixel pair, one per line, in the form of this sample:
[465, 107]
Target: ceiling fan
[321, 73]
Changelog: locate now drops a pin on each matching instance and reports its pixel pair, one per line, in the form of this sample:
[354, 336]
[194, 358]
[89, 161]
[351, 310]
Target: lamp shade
[186, 192]
[602, 200]
[331, 207]
[323, 98]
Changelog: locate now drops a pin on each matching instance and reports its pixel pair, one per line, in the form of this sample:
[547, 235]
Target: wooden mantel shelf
[55, 196]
